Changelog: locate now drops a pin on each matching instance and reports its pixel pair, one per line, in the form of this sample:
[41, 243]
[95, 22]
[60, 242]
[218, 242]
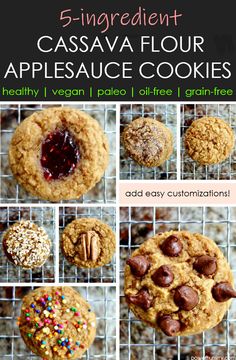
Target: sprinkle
[49, 308]
[78, 343]
[36, 319]
[40, 324]
[63, 297]
[56, 327]
[64, 301]
[73, 309]
[67, 310]
[29, 335]
[92, 324]
[57, 302]
[59, 342]
[57, 293]
[33, 306]
[46, 330]
[27, 314]
[49, 298]
[28, 319]
[63, 343]
[54, 348]
[36, 325]
[44, 342]
[38, 311]
[42, 346]
[77, 313]
[46, 352]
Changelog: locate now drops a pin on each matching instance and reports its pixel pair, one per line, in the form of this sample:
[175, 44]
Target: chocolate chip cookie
[179, 282]
[26, 244]
[88, 243]
[57, 323]
[209, 140]
[58, 153]
[148, 142]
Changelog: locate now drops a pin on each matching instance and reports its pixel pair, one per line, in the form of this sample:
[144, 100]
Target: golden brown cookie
[148, 142]
[57, 323]
[26, 244]
[58, 153]
[209, 140]
[179, 282]
[88, 243]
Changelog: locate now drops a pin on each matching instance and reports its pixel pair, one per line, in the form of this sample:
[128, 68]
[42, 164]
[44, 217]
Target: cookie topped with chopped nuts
[148, 142]
[179, 283]
[57, 323]
[88, 243]
[26, 244]
[209, 140]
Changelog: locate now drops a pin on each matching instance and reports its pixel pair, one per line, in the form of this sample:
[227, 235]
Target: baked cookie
[179, 282]
[148, 142]
[209, 140]
[26, 244]
[58, 153]
[57, 323]
[88, 243]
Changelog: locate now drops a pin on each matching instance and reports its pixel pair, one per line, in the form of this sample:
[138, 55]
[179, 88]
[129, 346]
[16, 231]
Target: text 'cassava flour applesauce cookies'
[148, 142]
[179, 282]
[209, 140]
[88, 243]
[26, 244]
[57, 323]
[58, 153]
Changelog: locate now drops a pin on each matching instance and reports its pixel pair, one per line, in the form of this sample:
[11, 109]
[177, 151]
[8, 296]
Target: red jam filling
[59, 155]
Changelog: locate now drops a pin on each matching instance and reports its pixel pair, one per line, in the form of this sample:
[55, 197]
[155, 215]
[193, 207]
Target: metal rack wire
[70, 273]
[137, 341]
[190, 170]
[12, 115]
[103, 303]
[42, 216]
[129, 169]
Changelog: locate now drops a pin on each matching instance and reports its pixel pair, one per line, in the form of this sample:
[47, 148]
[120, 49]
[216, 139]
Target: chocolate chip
[186, 298]
[205, 265]
[168, 325]
[223, 291]
[142, 299]
[163, 276]
[172, 246]
[139, 265]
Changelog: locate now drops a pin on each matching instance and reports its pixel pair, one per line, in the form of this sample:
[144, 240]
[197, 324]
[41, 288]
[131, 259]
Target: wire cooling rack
[44, 217]
[137, 341]
[103, 303]
[12, 115]
[70, 273]
[129, 169]
[189, 168]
